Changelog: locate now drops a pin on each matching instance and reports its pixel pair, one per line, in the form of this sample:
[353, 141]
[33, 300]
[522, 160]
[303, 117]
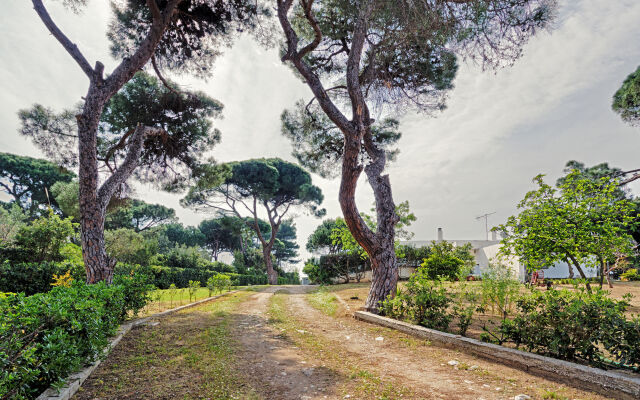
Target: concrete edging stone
[75, 380]
[613, 384]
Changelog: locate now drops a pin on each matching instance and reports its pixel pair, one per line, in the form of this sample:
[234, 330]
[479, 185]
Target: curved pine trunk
[272, 274]
[379, 245]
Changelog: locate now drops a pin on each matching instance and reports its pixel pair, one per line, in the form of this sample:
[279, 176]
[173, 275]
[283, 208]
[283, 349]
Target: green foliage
[273, 181]
[219, 283]
[285, 248]
[447, 261]
[499, 289]
[318, 143]
[165, 160]
[464, 306]
[423, 301]
[40, 240]
[289, 278]
[341, 266]
[413, 256]
[30, 278]
[630, 275]
[27, 180]
[66, 195]
[177, 235]
[193, 288]
[221, 234]
[320, 239]
[582, 222]
[11, 221]
[139, 216]
[128, 246]
[47, 336]
[626, 101]
[316, 274]
[575, 325]
[192, 41]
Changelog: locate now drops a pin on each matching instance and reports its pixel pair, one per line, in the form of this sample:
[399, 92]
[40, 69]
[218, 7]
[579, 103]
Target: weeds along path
[412, 367]
[187, 355]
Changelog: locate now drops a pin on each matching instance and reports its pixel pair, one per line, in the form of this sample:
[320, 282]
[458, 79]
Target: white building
[486, 251]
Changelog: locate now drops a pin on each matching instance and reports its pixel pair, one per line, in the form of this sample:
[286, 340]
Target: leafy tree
[28, 179]
[66, 195]
[320, 238]
[447, 261]
[179, 235]
[180, 34]
[386, 56]
[240, 187]
[285, 249]
[11, 221]
[220, 235]
[128, 246]
[43, 238]
[626, 101]
[139, 216]
[583, 223]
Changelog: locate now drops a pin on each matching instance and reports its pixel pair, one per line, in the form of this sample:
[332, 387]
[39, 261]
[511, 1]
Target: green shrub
[47, 336]
[423, 301]
[464, 307]
[446, 261]
[499, 289]
[630, 275]
[32, 278]
[193, 288]
[575, 325]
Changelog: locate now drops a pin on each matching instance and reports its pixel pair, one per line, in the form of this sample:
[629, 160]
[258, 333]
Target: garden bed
[610, 383]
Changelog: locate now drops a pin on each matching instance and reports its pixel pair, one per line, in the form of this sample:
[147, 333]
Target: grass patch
[190, 355]
[359, 383]
[324, 301]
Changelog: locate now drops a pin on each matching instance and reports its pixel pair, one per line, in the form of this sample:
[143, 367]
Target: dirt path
[268, 345]
[426, 369]
[275, 367]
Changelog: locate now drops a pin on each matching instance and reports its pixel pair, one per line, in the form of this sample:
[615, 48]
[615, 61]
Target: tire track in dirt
[425, 369]
[273, 365]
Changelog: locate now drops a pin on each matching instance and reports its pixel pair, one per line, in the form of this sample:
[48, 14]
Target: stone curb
[609, 383]
[75, 380]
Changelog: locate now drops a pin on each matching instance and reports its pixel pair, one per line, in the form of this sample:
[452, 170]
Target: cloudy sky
[478, 156]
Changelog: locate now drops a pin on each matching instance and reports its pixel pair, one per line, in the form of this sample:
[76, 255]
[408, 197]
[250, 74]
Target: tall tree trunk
[582, 274]
[92, 214]
[268, 262]
[379, 245]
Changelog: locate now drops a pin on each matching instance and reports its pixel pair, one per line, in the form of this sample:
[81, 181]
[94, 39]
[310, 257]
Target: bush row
[32, 278]
[575, 325]
[47, 336]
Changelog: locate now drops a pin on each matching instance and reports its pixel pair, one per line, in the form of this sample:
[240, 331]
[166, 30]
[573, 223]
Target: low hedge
[163, 277]
[47, 336]
[32, 278]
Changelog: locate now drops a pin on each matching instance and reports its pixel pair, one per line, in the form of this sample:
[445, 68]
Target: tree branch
[120, 175]
[69, 46]
[130, 65]
[312, 79]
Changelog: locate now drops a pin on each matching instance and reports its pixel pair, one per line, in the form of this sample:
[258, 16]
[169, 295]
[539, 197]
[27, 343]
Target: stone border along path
[609, 383]
[75, 380]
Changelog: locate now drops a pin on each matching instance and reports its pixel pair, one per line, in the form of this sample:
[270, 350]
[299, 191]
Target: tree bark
[379, 245]
[582, 274]
[93, 201]
[268, 262]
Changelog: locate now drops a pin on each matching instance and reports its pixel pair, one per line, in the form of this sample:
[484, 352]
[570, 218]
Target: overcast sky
[478, 156]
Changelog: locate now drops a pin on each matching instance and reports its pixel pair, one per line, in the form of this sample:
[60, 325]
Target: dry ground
[285, 343]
